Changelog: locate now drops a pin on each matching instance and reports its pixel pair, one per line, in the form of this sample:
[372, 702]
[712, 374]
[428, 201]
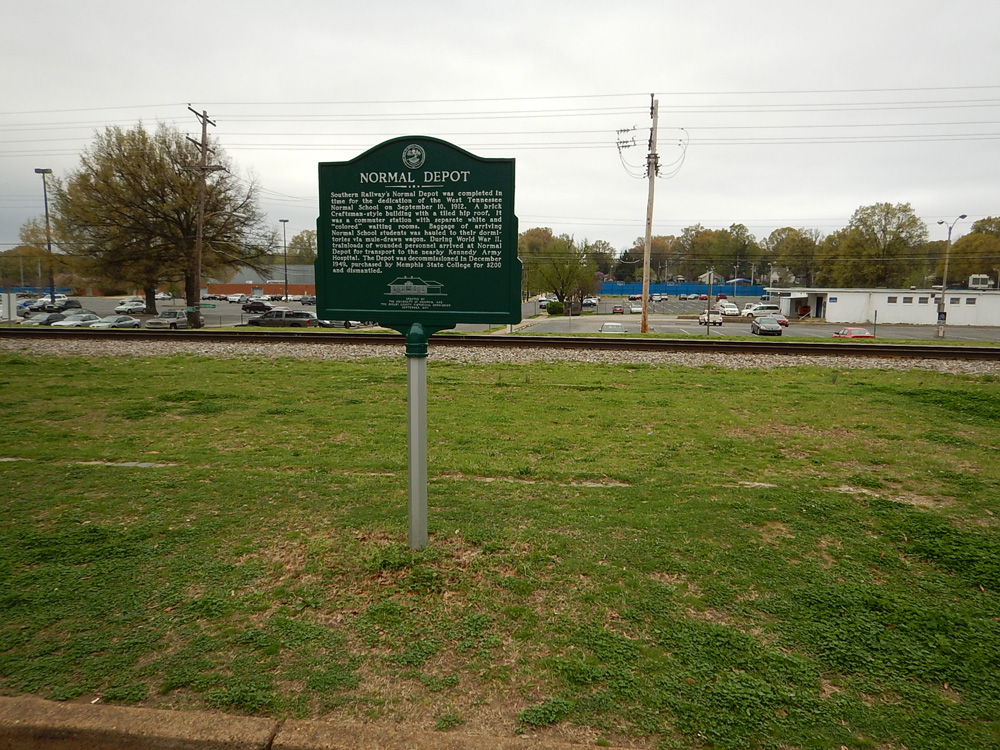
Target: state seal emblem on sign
[414, 156]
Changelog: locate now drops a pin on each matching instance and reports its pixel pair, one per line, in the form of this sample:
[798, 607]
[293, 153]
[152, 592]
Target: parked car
[237, 298]
[43, 319]
[853, 333]
[257, 306]
[618, 310]
[635, 297]
[45, 298]
[635, 308]
[765, 326]
[761, 310]
[169, 319]
[721, 296]
[710, 318]
[164, 296]
[79, 320]
[131, 308]
[42, 304]
[307, 299]
[612, 328]
[340, 323]
[589, 302]
[728, 309]
[117, 321]
[286, 318]
[702, 296]
[682, 297]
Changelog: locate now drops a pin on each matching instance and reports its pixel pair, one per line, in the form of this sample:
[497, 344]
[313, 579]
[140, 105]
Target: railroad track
[827, 349]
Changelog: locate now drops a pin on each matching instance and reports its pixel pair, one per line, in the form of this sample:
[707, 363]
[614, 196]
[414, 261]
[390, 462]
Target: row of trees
[883, 245]
[127, 218]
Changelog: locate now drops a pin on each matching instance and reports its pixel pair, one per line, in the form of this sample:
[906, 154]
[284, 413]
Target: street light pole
[48, 236]
[941, 314]
[284, 245]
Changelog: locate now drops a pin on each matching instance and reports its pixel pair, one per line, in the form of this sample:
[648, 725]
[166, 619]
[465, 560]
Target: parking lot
[681, 317]
[220, 314]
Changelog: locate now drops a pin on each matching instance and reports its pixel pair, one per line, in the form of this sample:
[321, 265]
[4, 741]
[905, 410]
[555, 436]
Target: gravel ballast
[482, 355]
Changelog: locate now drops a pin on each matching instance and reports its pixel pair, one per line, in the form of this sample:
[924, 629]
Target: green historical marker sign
[417, 230]
[418, 235]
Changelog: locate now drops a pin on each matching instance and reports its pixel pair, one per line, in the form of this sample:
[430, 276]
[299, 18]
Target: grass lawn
[659, 557]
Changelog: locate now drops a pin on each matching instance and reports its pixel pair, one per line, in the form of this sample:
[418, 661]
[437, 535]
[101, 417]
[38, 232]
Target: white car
[761, 310]
[612, 328]
[77, 321]
[728, 308]
[132, 307]
[164, 295]
[635, 308]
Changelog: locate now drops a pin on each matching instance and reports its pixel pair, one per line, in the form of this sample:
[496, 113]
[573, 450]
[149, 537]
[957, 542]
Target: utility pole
[652, 166]
[48, 238]
[193, 291]
[284, 245]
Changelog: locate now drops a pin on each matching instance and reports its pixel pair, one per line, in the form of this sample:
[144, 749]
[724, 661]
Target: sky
[771, 113]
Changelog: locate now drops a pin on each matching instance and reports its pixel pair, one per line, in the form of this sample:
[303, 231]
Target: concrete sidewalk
[29, 723]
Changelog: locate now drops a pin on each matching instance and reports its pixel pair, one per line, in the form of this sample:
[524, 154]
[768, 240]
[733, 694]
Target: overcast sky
[772, 113]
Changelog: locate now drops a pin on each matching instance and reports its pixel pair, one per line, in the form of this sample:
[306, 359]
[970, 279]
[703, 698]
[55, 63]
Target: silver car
[117, 321]
[77, 321]
[169, 319]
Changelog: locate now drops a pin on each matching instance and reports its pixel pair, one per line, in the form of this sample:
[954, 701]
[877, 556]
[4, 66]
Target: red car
[618, 309]
[853, 333]
[703, 296]
[782, 320]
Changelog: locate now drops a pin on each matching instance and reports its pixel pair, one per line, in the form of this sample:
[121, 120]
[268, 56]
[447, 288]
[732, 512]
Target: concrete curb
[29, 723]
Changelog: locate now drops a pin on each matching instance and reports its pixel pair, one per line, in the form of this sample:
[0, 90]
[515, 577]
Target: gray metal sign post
[418, 235]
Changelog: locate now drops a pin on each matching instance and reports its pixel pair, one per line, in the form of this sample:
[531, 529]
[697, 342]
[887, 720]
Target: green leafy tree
[974, 253]
[24, 265]
[556, 264]
[884, 245]
[735, 250]
[130, 212]
[662, 256]
[987, 225]
[628, 266]
[31, 260]
[698, 249]
[302, 248]
[793, 250]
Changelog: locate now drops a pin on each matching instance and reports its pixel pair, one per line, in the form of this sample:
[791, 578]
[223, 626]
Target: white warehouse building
[963, 307]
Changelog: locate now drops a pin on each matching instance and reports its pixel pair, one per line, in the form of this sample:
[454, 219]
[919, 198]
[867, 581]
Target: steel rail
[724, 346]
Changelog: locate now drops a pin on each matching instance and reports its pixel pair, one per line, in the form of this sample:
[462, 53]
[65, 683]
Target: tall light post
[942, 316]
[48, 235]
[284, 245]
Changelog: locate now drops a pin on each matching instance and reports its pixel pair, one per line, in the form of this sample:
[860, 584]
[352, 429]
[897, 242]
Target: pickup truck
[710, 318]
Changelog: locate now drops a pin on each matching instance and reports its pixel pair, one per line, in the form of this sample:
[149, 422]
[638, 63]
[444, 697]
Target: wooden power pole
[652, 165]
